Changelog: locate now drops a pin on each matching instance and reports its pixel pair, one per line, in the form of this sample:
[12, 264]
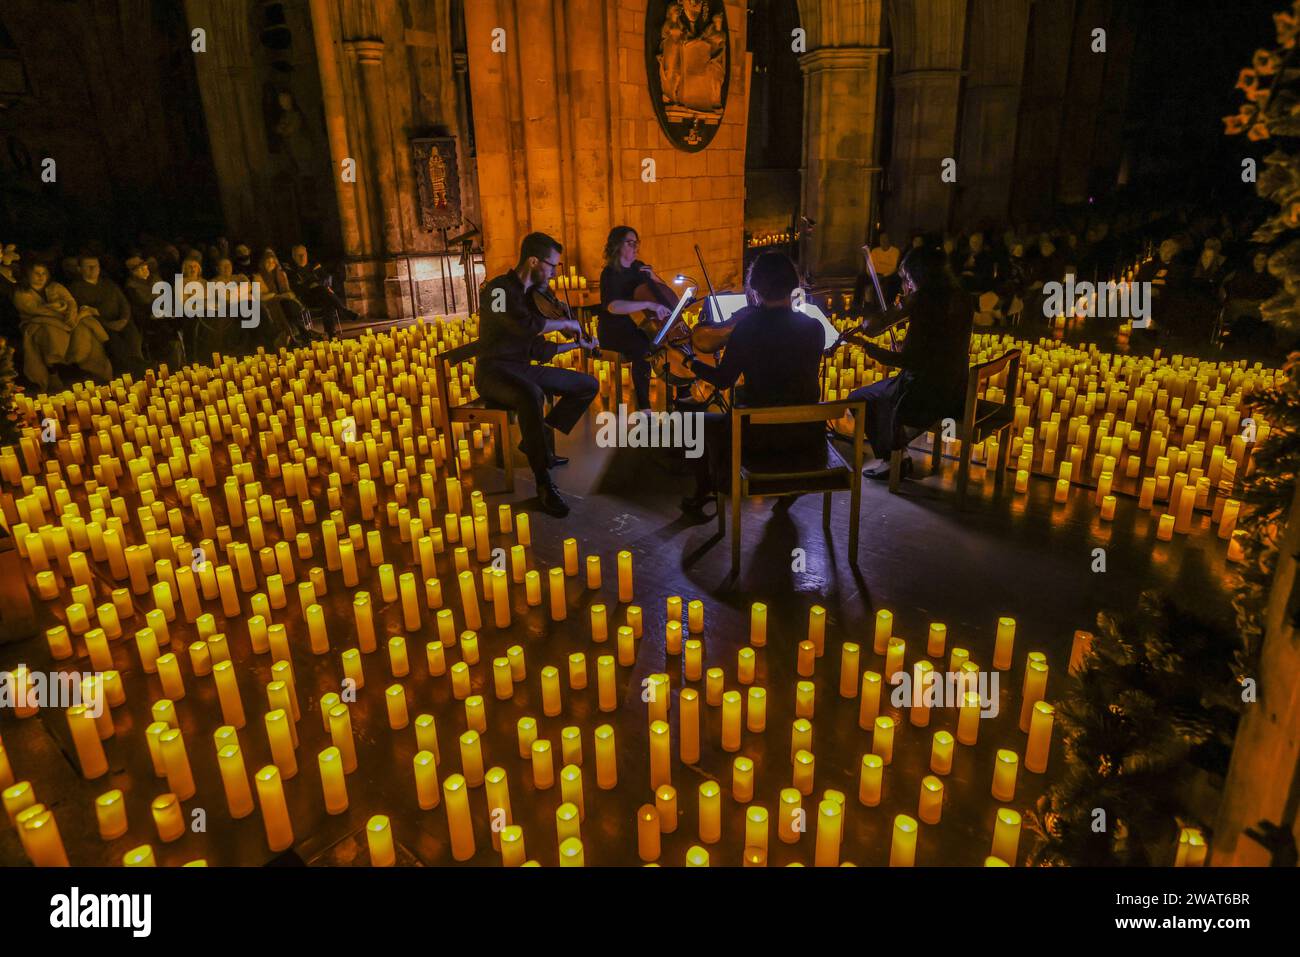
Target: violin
[550, 306]
[705, 342]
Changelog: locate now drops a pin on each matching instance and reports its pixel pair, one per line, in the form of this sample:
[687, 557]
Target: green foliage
[1154, 691]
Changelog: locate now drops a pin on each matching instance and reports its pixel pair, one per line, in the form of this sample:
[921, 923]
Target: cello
[705, 342]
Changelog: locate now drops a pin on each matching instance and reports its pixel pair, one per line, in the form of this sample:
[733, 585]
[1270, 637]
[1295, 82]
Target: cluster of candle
[1174, 432]
[324, 469]
[783, 238]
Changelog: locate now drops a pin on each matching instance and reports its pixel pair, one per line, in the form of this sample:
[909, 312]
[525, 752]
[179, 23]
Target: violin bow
[880, 297]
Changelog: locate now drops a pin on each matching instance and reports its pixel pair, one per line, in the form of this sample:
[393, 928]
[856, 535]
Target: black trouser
[924, 406]
[524, 389]
[622, 335]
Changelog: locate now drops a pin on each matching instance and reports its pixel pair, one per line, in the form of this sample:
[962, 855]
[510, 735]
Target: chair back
[791, 415]
[980, 412]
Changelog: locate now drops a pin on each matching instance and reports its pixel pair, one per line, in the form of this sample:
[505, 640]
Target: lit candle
[571, 853]
[673, 608]
[756, 716]
[688, 724]
[869, 707]
[923, 681]
[710, 812]
[1003, 643]
[571, 788]
[647, 833]
[606, 761]
[758, 624]
[902, 849]
[941, 753]
[830, 825]
[884, 629]
[232, 706]
[1006, 835]
[626, 646]
[624, 577]
[570, 557]
[930, 806]
[882, 739]
[551, 704]
[790, 816]
[110, 811]
[512, 846]
[332, 780]
[40, 833]
[518, 564]
[804, 765]
[469, 601]
[1040, 737]
[533, 587]
[606, 692]
[634, 620]
[1022, 481]
[379, 841]
[275, 812]
[807, 658]
[660, 755]
[281, 742]
[695, 616]
[167, 817]
[341, 736]
[593, 572]
[85, 737]
[180, 780]
[1228, 520]
[895, 650]
[1035, 687]
[713, 687]
[1005, 765]
[558, 610]
[395, 699]
[17, 797]
[522, 533]
[804, 692]
[968, 721]
[500, 598]
[543, 764]
[455, 793]
[731, 702]
[426, 780]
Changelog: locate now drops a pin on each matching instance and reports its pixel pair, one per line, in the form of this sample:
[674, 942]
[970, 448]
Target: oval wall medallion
[688, 66]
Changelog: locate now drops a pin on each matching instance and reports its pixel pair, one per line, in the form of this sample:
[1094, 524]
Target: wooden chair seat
[794, 473]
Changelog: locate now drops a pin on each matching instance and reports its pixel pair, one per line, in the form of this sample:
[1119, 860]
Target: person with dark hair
[315, 287]
[778, 350]
[616, 329]
[161, 334]
[57, 332]
[109, 305]
[933, 361]
[511, 330]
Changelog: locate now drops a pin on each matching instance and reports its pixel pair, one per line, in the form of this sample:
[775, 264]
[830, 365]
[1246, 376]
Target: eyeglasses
[632, 242]
[553, 265]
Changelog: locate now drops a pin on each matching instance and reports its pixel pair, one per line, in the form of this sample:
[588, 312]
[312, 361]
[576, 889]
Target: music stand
[682, 303]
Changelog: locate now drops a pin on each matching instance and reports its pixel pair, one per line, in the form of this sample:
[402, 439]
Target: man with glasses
[511, 330]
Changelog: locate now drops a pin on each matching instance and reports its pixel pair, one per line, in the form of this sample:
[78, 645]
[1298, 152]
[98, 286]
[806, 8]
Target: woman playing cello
[629, 289]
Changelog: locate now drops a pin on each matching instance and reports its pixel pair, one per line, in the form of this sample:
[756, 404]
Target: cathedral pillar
[327, 58]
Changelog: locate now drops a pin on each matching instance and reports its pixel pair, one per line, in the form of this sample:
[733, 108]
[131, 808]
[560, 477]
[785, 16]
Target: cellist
[616, 329]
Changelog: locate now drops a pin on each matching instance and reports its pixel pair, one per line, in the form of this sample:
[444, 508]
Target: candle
[570, 557]
[607, 699]
[500, 599]
[870, 700]
[593, 572]
[426, 780]
[469, 601]
[647, 833]
[902, 849]
[758, 624]
[141, 856]
[571, 854]
[884, 629]
[688, 724]
[790, 819]
[498, 803]
[1022, 481]
[482, 542]
[660, 754]
[533, 587]
[398, 663]
[941, 752]
[558, 611]
[232, 707]
[1003, 643]
[882, 739]
[624, 577]
[571, 788]
[606, 761]
[527, 733]
[655, 692]
[543, 764]
[634, 620]
[673, 608]
[804, 765]
[1228, 520]
[895, 650]
[731, 701]
[456, 795]
[924, 683]
[713, 687]
[803, 699]
[110, 811]
[930, 806]
[395, 699]
[695, 616]
[830, 830]
[379, 841]
[522, 533]
[626, 646]
[1005, 765]
[332, 780]
[341, 736]
[518, 563]
[710, 812]
[817, 628]
[167, 817]
[502, 683]
[40, 837]
[1006, 834]
[551, 704]
[180, 780]
[756, 717]
[1035, 687]
[1040, 737]
[806, 661]
[512, 846]
[281, 742]
[471, 758]
[1186, 503]
[968, 721]
[17, 797]
[85, 737]
[275, 812]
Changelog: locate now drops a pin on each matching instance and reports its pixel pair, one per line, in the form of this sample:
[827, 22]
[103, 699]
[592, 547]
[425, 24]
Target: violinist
[616, 328]
[511, 327]
[778, 350]
[933, 361]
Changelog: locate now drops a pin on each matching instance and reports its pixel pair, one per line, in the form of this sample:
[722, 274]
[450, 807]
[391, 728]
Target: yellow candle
[804, 699]
[532, 586]
[379, 841]
[1006, 835]
[710, 812]
[502, 682]
[1003, 643]
[426, 780]
[647, 833]
[830, 829]
[167, 817]
[1035, 687]
[626, 646]
[395, 698]
[17, 797]
[1108, 508]
[634, 620]
[884, 630]
[713, 687]
[606, 760]
[475, 715]
[571, 853]
[606, 692]
[806, 660]
[518, 667]
[902, 849]
[180, 780]
[1228, 520]
[512, 846]
[758, 624]
[500, 599]
[85, 737]
[341, 736]
[790, 820]
[398, 663]
[882, 739]
[923, 680]
[352, 668]
[40, 836]
[593, 572]
[742, 780]
[804, 766]
[141, 856]
[543, 764]
[660, 755]
[695, 616]
[871, 780]
[570, 557]
[332, 779]
[968, 721]
[455, 793]
[1005, 765]
[624, 577]
[523, 534]
[110, 811]
[1040, 737]
[817, 628]
[277, 734]
[498, 802]
[363, 615]
[895, 650]
[869, 707]
[756, 827]
[731, 702]
[551, 704]
[688, 723]
[930, 806]
[941, 753]
[469, 601]
[61, 646]
[275, 812]
[850, 655]
[571, 788]
[232, 706]
[756, 718]
[745, 662]
[482, 542]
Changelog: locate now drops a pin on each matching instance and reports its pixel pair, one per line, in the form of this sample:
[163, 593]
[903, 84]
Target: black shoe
[552, 503]
[696, 503]
[880, 471]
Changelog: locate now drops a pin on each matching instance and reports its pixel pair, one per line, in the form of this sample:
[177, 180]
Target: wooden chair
[473, 412]
[980, 420]
[783, 473]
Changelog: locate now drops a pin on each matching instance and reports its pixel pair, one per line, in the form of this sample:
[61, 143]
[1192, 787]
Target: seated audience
[160, 334]
[315, 287]
[57, 332]
[109, 305]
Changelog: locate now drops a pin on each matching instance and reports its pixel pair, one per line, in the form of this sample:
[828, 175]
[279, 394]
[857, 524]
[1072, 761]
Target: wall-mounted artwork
[688, 63]
[438, 181]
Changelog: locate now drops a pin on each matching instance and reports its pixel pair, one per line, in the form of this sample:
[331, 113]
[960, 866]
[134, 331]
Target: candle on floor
[455, 793]
[558, 611]
[895, 650]
[167, 817]
[275, 812]
[807, 658]
[882, 739]
[626, 646]
[634, 620]
[731, 703]
[787, 828]
[884, 629]
[363, 615]
[593, 572]
[660, 754]
[523, 533]
[352, 668]
[1005, 765]
[804, 768]
[688, 723]
[512, 846]
[110, 811]
[607, 696]
[713, 686]
[17, 797]
[1108, 508]
[379, 841]
[673, 609]
[232, 706]
[568, 822]
[1035, 687]
[180, 780]
[1022, 481]
[85, 737]
[647, 833]
[817, 629]
[902, 849]
[830, 825]
[606, 758]
[570, 557]
[1006, 835]
[1003, 643]
[941, 751]
[756, 716]
[804, 694]
[923, 683]
[758, 624]
[666, 805]
[930, 806]
[756, 827]
[1228, 520]
[695, 616]
[1040, 737]
[745, 663]
[427, 793]
[281, 741]
[742, 780]
[850, 655]
[571, 853]
[41, 838]
[502, 682]
[870, 700]
[341, 736]
[471, 758]
[469, 601]
[332, 779]
[710, 815]
[543, 763]
[624, 577]
[968, 721]
[1186, 504]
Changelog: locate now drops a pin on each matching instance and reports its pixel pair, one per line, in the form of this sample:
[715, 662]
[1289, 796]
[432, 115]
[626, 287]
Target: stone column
[327, 59]
[841, 116]
[929, 41]
[369, 55]
[991, 110]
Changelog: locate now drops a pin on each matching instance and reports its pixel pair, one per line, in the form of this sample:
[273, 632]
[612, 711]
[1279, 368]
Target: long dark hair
[928, 271]
[615, 241]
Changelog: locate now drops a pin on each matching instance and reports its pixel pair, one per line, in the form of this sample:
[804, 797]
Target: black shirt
[618, 283]
[779, 352]
[512, 333]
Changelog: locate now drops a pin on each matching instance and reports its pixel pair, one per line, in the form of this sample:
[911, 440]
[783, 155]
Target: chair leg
[855, 508]
[735, 534]
[936, 451]
[895, 469]
[963, 471]
[1004, 455]
[507, 453]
